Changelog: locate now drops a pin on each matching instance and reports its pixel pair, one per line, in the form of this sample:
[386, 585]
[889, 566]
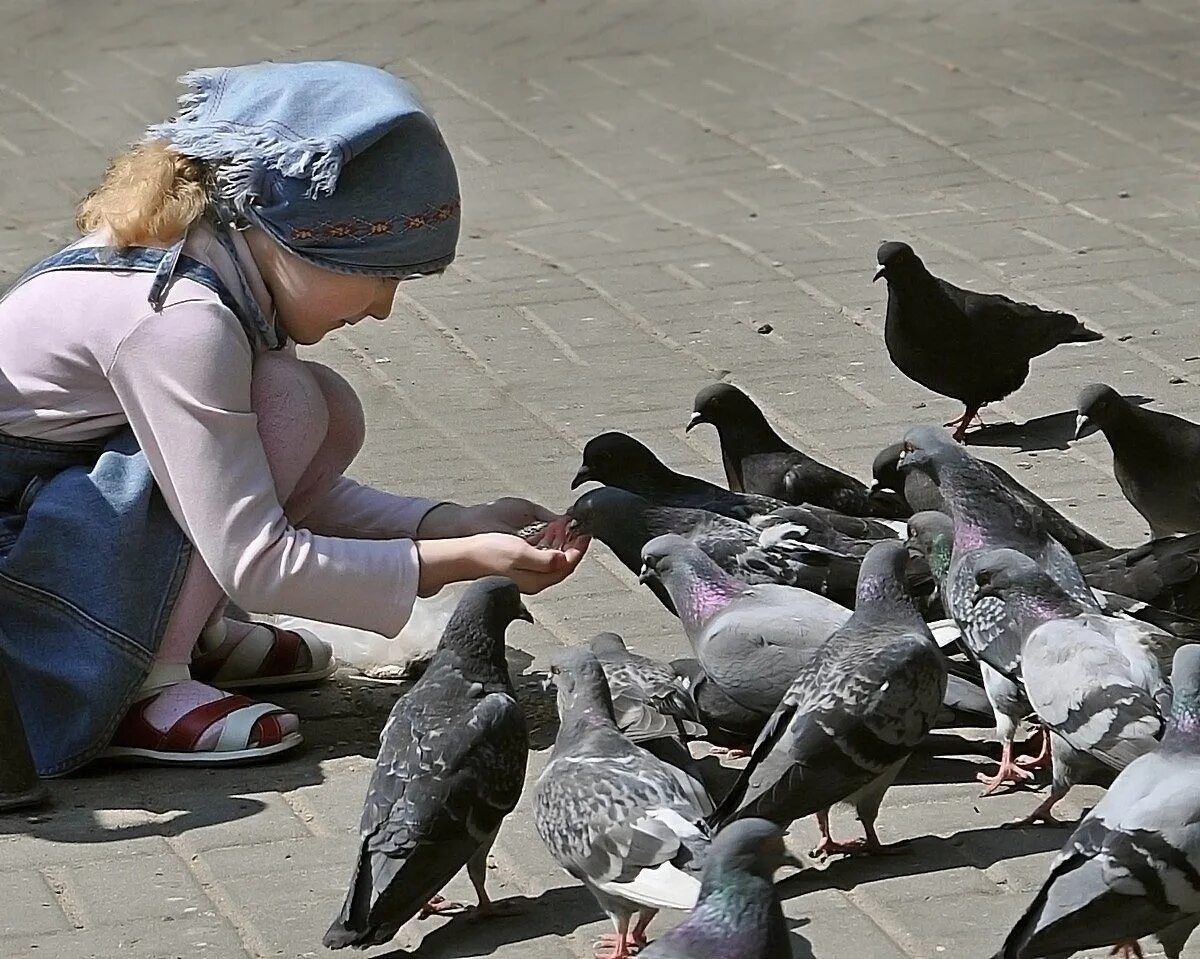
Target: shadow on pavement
[115, 802]
[1055, 431]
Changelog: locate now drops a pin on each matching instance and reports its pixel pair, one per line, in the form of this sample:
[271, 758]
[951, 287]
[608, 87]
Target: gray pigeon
[751, 641]
[451, 766]
[973, 347]
[625, 522]
[853, 715]
[921, 493]
[651, 704]
[1095, 681]
[627, 825]
[739, 915]
[757, 460]
[1156, 458]
[988, 516]
[1132, 867]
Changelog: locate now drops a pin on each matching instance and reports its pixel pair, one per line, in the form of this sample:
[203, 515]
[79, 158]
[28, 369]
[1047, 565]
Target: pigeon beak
[1081, 424]
[881, 272]
[876, 487]
[525, 615]
[696, 420]
[985, 590]
[583, 476]
[646, 574]
[547, 682]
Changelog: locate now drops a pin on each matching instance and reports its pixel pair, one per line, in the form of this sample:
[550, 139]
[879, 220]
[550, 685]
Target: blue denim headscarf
[339, 162]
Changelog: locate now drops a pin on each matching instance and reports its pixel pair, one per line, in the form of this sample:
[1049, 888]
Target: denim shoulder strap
[164, 264]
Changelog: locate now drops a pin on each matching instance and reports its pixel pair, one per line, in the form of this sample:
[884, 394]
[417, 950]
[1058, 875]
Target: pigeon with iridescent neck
[1095, 681]
[988, 516]
[1131, 868]
[627, 825]
[921, 493]
[852, 716]
[739, 915]
[751, 641]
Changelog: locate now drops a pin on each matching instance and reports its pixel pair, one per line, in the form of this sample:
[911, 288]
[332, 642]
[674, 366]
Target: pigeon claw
[612, 945]
[1041, 759]
[1128, 950]
[1008, 772]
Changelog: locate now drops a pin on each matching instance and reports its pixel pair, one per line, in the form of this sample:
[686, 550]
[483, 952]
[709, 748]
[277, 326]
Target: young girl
[162, 449]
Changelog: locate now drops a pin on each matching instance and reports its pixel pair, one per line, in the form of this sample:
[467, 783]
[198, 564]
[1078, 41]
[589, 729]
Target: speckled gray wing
[609, 812]
[1130, 869]
[1084, 688]
[451, 766]
[988, 630]
[863, 704]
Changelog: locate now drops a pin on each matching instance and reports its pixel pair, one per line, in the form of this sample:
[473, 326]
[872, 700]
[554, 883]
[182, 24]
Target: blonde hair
[150, 195]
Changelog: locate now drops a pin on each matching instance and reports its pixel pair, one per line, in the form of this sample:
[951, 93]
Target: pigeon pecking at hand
[1095, 681]
[1132, 866]
[451, 766]
[627, 825]
[739, 915]
[853, 715]
[972, 347]
[757, 460]
[1156, 458]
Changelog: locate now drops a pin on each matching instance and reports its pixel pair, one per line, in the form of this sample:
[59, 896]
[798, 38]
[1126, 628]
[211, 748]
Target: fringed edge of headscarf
[244, 152]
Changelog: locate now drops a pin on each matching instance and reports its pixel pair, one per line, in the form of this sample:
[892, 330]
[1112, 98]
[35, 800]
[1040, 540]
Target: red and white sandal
[265, 656]
[137, 739]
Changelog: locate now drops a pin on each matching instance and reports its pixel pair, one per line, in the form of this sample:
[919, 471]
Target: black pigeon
[1132, 866]
[855, 712]
[1156, 458]
[921, 493]
[739, 915]
[625, 522]
[1164, 573]
[451, 766]
[757, 460]
[619, 460]
[973, 347]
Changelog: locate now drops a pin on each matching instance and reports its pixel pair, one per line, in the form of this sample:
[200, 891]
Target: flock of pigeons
[831, 626]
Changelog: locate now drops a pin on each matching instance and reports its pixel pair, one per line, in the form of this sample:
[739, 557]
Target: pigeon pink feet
[1008, 773]
[441, 906]
[1128, 950]
[612, 945]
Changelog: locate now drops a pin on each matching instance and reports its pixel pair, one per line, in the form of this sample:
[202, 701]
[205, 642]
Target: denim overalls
[91, 560]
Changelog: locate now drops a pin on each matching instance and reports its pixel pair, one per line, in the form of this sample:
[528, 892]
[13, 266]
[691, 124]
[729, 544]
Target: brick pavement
[645, 185]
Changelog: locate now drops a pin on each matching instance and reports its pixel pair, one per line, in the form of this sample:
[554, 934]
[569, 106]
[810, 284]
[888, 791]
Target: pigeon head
[606, 644]
[698, 587]
[722, 403]
[755, 846]
[898, 262]
[1184, 726]
[928, 449]
[476, 628]
[617, 459]
[1096, 406]
[1027, 590]
[931, 534]
[881, 575]
[885, 470]
[607, 513]
[582, 690]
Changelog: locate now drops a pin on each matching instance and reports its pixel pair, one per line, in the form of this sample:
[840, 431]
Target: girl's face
[311, 302]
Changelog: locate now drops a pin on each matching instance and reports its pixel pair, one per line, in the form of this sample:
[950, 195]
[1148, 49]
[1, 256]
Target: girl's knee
[293, 417]
[347, 427]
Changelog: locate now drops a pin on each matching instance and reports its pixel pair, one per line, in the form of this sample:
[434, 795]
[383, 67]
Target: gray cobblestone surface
[645, 185]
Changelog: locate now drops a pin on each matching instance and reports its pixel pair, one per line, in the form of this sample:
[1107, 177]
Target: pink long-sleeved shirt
[82, 353]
